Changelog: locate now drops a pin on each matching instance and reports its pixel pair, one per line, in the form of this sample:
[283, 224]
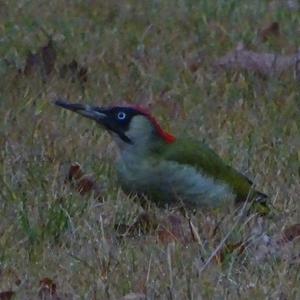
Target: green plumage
[185, 170]
[200, 156]
[167, 169]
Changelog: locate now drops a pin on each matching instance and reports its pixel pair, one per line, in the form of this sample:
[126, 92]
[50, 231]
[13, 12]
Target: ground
[160, 54]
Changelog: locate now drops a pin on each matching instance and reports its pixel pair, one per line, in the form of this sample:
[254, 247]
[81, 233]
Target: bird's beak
[98, 114]
[88, 111]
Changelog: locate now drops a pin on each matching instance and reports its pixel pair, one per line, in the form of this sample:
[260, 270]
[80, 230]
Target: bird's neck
[147, 139]
[139, 151]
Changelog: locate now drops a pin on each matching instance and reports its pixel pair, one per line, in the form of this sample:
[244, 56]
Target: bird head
[127, 125]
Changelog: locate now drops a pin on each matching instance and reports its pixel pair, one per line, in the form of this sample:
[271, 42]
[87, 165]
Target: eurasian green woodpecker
[166, 169]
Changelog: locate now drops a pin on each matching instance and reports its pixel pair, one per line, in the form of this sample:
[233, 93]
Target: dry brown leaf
[48, 54]
[85, 185]
[75, 171]
[42, 62]
[271, 31]
[33, 63]
[289, 234]
[83, 74]
[48, 284]
[266, 64]
[69, 70]
[47, 289]
[74, 71]
[7, 295]
[81, 182]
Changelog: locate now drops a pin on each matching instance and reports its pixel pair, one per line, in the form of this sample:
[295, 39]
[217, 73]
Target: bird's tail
[260, 204]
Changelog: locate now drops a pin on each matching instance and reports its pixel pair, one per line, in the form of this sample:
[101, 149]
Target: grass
[138, 52]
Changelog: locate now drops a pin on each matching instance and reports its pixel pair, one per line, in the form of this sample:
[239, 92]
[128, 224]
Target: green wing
[201, 157]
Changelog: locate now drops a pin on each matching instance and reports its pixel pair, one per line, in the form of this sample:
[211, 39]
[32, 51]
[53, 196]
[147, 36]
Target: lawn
[159, 54]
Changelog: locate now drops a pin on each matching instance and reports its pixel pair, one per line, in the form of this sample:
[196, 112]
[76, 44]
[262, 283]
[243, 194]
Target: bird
[165, 169]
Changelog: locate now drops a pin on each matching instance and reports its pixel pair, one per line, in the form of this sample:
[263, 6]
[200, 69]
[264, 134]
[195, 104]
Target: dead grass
[158, 54]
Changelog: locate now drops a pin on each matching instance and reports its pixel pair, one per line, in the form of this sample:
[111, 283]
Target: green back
[200, 156]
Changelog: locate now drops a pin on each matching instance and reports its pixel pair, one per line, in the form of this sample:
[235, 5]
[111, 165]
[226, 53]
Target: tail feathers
[260, 204]
[261, 197]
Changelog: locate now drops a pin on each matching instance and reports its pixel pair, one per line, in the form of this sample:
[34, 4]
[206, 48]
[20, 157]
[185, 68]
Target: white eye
[121, 115]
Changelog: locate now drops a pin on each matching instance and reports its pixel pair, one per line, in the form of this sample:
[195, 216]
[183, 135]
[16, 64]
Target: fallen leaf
[75, 171]
[83, 74]
[74, 71]
[266, 64]
[48, 54]
[289, 234]
[47, 289]
[85, 185]
[7, 295]
[272, 30]
[42, 62]
[48, 284]
[73, 66]
[69, 70]
[32, 64]
[81, 182]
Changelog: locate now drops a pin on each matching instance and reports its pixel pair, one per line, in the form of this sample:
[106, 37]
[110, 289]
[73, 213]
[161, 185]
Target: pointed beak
[98, 114]
[90, 112]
